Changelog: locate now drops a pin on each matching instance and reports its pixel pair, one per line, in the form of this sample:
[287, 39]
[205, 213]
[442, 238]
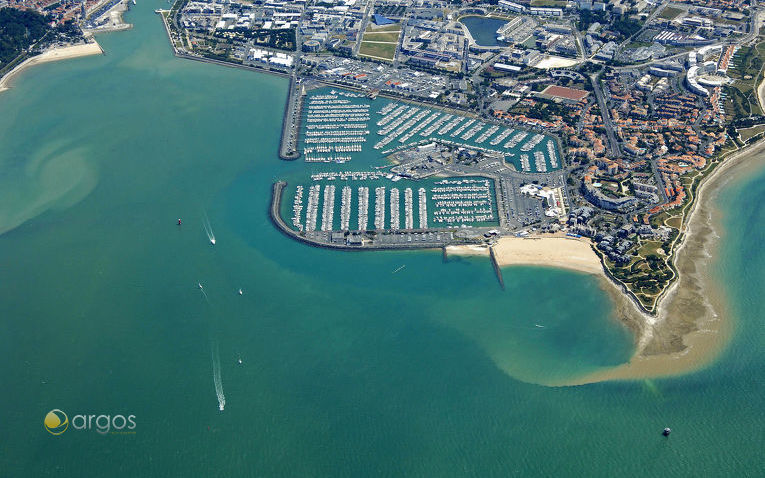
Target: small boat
[240, 292]
[179, 221]
[666, 431]
[239, 361]
[212, 241]
[133, 2]
[200, 286]
[540, 326]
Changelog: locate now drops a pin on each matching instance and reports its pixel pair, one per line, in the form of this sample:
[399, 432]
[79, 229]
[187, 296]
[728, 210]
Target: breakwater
[288, 147]
[360, 240]
[497, 270]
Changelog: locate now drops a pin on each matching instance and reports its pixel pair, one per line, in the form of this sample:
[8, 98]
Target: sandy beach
[53, 54]
[691, 326]
[552, 251]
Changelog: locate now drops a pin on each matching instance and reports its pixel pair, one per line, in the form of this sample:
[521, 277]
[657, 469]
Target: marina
[463, 201]
[525, 165]
[462, 128]
[345, 209]
[337, 130]
[297, 209]
[531, 144]
[517, 138]
[363, 216]
[395, 222]
[487, 134]
[409, 220]
[335, 126]
[539, 161]
[380, 208]
[328, 208]
[423, 208]
[449, 202]
[553, 154]
[472, 132]
[450, 126]
[341, 364]
[313, 207]
[501, 137]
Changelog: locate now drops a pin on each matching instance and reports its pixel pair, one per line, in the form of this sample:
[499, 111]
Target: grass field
[380, 42]
[747, 133]
[396, 27]
[670, 13]
[746, 68]
[378, 50]
[381, 36]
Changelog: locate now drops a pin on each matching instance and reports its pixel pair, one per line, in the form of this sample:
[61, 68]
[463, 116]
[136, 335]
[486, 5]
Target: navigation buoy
[666, 432]
[179, 221]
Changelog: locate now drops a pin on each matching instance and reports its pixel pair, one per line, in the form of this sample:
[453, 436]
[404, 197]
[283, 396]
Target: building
[311, 46]
[381, 20]
[546, 12]
[506, 67]
[511, 6]
[593, 194]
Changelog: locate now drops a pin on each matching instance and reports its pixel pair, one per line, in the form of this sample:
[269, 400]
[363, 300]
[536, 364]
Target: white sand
[549, 251]
[54, 54]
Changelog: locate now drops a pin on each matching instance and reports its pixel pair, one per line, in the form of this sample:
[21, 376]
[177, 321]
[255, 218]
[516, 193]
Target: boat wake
[217, 378]
[208, 230]
[201, 288]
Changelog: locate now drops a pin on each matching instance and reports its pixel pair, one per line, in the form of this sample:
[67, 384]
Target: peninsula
[569, 135]
[578, 135]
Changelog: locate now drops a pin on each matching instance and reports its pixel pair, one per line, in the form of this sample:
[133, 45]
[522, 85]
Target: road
[749, 37]
[613, 145]
[364, 23]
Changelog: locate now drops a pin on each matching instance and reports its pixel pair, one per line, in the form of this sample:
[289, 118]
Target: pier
[497, 270]
[288, 148]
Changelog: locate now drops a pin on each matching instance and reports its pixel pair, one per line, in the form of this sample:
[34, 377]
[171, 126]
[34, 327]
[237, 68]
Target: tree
[19, 29]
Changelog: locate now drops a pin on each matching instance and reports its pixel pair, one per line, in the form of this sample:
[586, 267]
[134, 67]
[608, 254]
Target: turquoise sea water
[348, 369]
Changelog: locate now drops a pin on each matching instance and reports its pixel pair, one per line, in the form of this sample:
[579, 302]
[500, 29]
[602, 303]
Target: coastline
[686, 332]
[692, 326]
[564, 252]
[550, 251]
[53, 54]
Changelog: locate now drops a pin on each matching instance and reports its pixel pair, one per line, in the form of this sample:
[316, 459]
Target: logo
[56, 422]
